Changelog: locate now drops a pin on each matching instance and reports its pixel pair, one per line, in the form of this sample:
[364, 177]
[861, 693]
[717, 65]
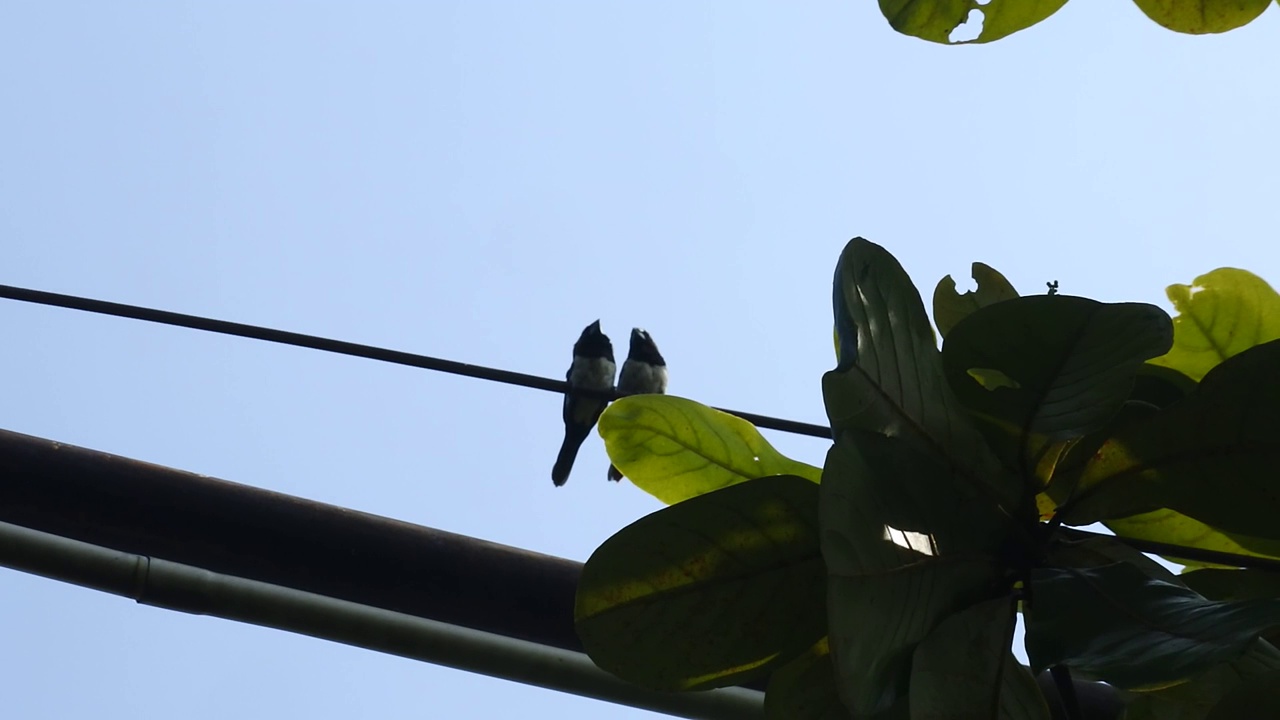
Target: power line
[284, 337]
[397, 357]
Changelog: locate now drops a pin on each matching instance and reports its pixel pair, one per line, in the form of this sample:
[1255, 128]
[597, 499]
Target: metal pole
[175, 586]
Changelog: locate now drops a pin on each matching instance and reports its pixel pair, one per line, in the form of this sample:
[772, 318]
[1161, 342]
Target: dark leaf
[1116, 624]
[896, 386]
[1067, 365]
[714, 591]
[805, 689]
[964, 671]
[888, 586]
[1212, 456]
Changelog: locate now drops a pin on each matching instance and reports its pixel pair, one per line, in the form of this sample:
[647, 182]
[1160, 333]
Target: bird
[644, 373]
[592, 369]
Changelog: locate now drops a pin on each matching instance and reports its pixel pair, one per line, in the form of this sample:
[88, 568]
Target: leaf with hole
[950, 307]
[1116, 624]
[964, 669]
[675, 449]
[936, 20]
[1220, 315]
[714, 591]
[1212, 456]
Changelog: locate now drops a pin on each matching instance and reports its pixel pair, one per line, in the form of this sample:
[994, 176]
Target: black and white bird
[644, 373]
[592, 369]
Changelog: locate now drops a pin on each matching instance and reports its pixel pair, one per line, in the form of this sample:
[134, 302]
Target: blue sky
[480, 180]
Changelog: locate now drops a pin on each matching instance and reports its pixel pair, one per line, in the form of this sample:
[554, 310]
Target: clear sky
[480, 180]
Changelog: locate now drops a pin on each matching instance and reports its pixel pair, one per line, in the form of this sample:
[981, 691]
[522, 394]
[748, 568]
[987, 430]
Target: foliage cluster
[937, 20]
[886, 584]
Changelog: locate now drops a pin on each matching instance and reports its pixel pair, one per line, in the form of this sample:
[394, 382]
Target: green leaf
[805, 689]
[1171, 527]
[1103, 551]
[1160, 386]
[878, 618]
[714, 591]
[1202, 16]
[1258, 698]
[1071, 368]
[1219, 584]
[1195, 699]
[675, 449]
[895, 385]
[1223, 313]
[888, 588]
[950, 307]
[1116, 624]
[934, 20]
[964, 670]
[1211, 456]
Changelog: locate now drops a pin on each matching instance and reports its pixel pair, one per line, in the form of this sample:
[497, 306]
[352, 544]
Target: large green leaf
[950, 307]
[1117, 624]
[878, 618]
[713, 591]
[1194, 700]
[1103, 551]
[1202, 16]
[675, 449]
[964, 671]
[1220, 584]
[935, 20]
[1255, 698]
[1174, 528]
[805, 689]
[1065, 365]
[1212, 456]
[1223, 313]
[888, 588]
[895, 384]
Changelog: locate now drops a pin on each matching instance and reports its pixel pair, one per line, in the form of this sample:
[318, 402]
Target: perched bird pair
[644, 372]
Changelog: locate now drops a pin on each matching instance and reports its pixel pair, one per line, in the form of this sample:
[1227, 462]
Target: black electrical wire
[370, 352]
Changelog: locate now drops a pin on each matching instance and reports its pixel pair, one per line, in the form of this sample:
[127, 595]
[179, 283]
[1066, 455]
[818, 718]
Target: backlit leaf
[675, 449]
[1223, 313]
[1174, 528]
[950, 307]
[935, 20]
[1202, 16]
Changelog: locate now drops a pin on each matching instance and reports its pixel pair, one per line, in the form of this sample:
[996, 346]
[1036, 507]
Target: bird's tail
[615, 474]
[568, 453]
